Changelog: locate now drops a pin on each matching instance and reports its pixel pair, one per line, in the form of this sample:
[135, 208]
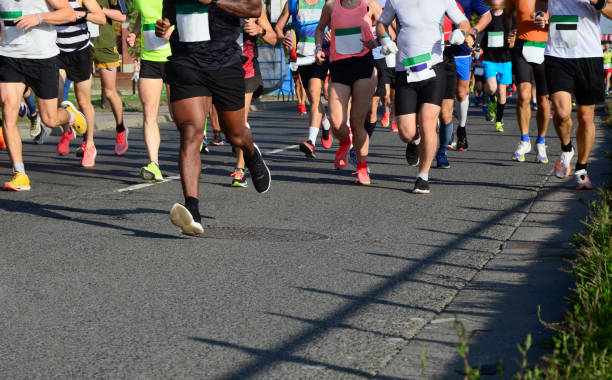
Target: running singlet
[420, 38]
[305, 18]
[250, 52]
[467, 6]
[152, 48]
[204, 37]
[349, 27]
[574, 30]
[493, 42]
[73, 36]
[607, 60]
[525, 27]
[36, 43]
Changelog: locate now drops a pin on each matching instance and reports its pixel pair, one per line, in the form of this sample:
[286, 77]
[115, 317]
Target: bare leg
[150, 94]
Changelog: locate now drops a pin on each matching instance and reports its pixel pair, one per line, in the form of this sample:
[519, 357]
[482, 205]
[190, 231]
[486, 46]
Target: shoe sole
[16, 189]
[68, 104]
[518, 159]
[181, 217]
[148, 175]
[419, 191]
[239, 185]
[267, 170]
[307, 151]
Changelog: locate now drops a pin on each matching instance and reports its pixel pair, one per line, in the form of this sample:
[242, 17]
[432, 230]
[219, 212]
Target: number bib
[10, 33]
[533, 52]
[479, 71]
[564, 31]
[306, 46]
[348, 41]
[192, 22]
[94, 29]
[495, 39]
[417, 68]
[152, 42]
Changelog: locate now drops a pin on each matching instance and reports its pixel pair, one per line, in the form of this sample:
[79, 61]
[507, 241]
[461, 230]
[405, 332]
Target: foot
[260, 174]
[453, 143]
[35, 126]
[442, 161]
[80, 150]
[79, 124]
[189, 224]
[385, 119]
[491, 110]
[89, 156]
[326, 138]
[217, 140]
[40, 139]
[23, 110]
[541, 157]
[522, 149]
[499, 127]
[582, 180]
[63, 147]
[363, 178]
[563, 167]
[121, 144]
[412, 154]
[462, 142]
[307, 147]
[421, 186]
[20, 182]
[151, 172]
[239, 178]
[342, 154]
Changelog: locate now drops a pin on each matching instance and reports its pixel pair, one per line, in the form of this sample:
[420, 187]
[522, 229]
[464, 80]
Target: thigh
[362, 93]
[432, 92]
[406, 96]
[11, 94]
[339, 96]
[191, 112]
[82, 91]
[109, 78]
[523, 70]
[149, 90]
[42, 77]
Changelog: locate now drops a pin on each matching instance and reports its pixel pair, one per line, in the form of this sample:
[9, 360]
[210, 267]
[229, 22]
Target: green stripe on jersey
[496, 33]
[10, 15]
[417, 60]
[307, 39]
[568, 19]
[304, 5]
[148, 26]
[535, 44]
[191, 8]
[348, 31]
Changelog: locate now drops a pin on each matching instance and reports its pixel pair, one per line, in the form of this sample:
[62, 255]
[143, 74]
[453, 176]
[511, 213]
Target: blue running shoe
[442, 161]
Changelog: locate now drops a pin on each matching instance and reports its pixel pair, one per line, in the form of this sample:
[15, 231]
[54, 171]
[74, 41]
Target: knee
[585, 120]
[563, 114]
[406, 135]
[48, 119]
[109, 92]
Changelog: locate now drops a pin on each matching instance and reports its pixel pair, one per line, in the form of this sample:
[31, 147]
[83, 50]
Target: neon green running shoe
[151, 172]
[492, 109]
[499, 126]
[239, 178]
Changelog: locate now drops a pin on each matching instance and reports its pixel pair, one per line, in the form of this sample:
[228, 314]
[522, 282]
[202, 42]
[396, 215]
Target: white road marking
[442, 320]
[283, 149]
[143, 185]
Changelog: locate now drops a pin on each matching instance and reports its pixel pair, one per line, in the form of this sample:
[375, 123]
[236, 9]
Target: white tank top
[36, 43]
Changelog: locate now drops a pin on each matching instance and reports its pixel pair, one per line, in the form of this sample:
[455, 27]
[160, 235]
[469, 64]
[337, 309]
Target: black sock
[193, 205]
[369, 127]
[120, 127]
[580, 166]
[567, 148]
[500, 111]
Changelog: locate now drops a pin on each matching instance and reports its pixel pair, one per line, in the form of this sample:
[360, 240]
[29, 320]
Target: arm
[323, 23]
[269, 36]
[239, 8]
[280, 25]
[508, 13]
[461, 22]
[94, 12]
[114, 14]
[62, 14]
[134, 31]
[375, 9]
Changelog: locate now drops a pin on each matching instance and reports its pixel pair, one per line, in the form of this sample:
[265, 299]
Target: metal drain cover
[255, 233]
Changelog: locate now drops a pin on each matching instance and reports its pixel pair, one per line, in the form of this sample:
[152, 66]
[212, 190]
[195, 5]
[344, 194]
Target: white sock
[19, 167]
[325, 122]
[313, 132]
[71, 121]
[423, 176]
[248, 126]
[463, 111]
[417, 141]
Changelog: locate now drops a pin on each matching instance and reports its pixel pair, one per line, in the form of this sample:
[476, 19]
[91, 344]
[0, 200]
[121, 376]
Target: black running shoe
[260, 174]
[462, 142]
[412, 154]
[421, 186]
[217, 140]
[307, 147]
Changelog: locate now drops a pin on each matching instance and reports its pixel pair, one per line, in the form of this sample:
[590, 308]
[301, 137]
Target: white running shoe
[563, 167]
[541, 156]
[582, 180]
[522, 149]
[182, 218]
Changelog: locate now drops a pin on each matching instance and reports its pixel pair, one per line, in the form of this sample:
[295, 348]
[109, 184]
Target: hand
[162, 27]
[328, 36]
[27, 22]
[251, 28]
[288, 41]
[370, 44]
[131, 39]
[388, 46]
[470, 41]
[540, 19]
[457, 37]
[320, 55]
[511, 39]
[80, 14]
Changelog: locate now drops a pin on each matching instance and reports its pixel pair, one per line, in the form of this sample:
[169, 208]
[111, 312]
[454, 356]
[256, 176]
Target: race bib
[479, 71]
[564, 31]
[192, 22]
[305, 61]
[94, 29]
[417, 68]
[152, 42]
[533, 52]
[495, 39]
[10, 33]
[306, 46]
[348, 41]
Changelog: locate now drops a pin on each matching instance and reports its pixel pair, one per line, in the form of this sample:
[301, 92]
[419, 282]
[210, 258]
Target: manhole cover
[254, 233]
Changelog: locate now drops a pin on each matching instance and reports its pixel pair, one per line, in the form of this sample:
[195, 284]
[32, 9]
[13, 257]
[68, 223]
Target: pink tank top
[349, 27]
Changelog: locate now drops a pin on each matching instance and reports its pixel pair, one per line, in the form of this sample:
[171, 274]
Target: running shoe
[239, 178]
[491, 109]
[462, 142]
[534, 106]
[23, 110]
[499, 126]
[541, 156]
[217, 140]
[563, 167]
[412, 154]
[260, 174]
[301, 109]
[204, 146]
[121, 146]
[385, 119]
[582, 180]
[63, 147]
[181, 217]
[2, 142]
[151, 172]
[19, 182]
[421, 186]
[353, 157]
[326, 138]
[40, 139]
[35, 126]
[363, 178]
[342, 154]
[81, 149]
[394, 127]
[307, 147]
[522, 149]
[89, 156]
[80, 123]
[442, 161]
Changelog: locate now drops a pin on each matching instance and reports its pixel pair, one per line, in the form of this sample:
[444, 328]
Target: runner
[106, 60]
[27, 58]
[420, 76]
[32, 112]
[607, 59]
[75, 62]
[154, 52]
[206, 66]
[574, 63]
[305, 15]
[300, 92]
[251, 30]
[528, 64]
[497, 65]
[352, 75]
[479, 81]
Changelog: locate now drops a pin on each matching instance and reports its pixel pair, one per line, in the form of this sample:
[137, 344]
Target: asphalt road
[318, 278]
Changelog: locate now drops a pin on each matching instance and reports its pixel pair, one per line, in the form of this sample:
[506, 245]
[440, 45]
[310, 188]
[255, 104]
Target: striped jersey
[73, 36]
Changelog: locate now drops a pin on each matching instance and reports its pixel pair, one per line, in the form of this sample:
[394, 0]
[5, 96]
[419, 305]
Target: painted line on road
[143, 185]
[283, 149]
[442, 320]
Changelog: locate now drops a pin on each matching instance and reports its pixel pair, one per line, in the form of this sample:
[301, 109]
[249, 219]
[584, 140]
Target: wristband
[601, 4]
[386, 35]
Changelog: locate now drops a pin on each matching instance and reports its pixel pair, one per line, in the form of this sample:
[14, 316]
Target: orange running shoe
[307, 147]
[89, 156]
[342, 155]
[385, 119]
[2, 142]
[63, 147]
[363, 178]
[326, 138]
[394, 127]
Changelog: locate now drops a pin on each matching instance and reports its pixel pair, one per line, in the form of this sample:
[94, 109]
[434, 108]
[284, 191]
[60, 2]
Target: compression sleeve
[388, 14]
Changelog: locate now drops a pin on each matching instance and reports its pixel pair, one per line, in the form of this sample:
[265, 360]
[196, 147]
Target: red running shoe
[307, 147]
[342, 155]
[63, 147]
[385, 119]
[394, 127]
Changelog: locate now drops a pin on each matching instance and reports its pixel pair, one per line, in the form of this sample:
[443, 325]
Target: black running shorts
[39, 74]
[410, 96]
[313, 71]
[523, 71]
[450, 68]
[384, 77]
[225, 86]
[582, 76]
[349, 70]
[77, 64]
[153, 70]
[254, 85]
